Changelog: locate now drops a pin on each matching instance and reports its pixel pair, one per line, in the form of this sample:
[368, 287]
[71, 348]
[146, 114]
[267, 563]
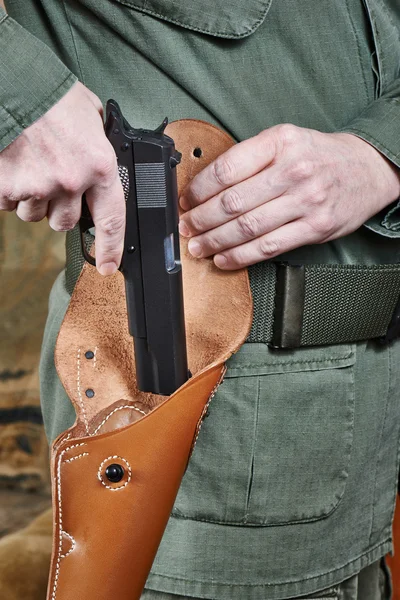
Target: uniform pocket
[276, 447]
[386, 43]
[221, 18]
[303, 436]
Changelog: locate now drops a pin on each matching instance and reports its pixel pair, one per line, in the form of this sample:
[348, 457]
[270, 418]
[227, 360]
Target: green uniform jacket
[292, 484]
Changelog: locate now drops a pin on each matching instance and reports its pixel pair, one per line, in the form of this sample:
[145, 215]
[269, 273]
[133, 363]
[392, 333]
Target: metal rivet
[125, 147]
[197, 152]
[115, 473]
[89, 393]
[116, 131]
[131, 249]
[89, 354]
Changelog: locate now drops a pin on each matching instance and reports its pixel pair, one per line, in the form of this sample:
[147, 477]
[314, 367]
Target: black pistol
[150, 263]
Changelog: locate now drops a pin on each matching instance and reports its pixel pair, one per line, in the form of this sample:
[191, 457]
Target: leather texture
[106, 535]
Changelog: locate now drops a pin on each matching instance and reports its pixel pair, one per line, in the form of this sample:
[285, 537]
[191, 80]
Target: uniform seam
[358, 52]
[73, 40]
[199, 29]
[279, 584]
[253, 453]
[295, 362]
[379, 447]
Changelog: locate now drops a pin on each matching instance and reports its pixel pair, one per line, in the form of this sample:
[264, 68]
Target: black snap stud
[125, 147]
[89, 393]
[197, 152]
[115, 473]
[131, 249]
[89, 354]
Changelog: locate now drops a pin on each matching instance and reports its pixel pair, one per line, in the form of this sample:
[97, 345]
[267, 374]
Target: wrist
[385, 173]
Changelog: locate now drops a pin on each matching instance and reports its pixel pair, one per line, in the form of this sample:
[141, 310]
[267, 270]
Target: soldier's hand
[284, 188]
[65, 153]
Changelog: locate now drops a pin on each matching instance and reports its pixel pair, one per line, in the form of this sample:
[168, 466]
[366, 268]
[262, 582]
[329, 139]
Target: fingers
[233, 166]
[107, 207]
[246, 227]
[32, 210]
[7, 205]
[64, 212]
[288, 237]
[235, 201]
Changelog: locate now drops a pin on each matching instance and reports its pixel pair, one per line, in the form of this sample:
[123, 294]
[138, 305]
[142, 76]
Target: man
[291, 488]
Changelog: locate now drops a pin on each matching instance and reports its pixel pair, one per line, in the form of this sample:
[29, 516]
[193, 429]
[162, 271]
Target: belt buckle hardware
[393, 330]
[289, 306]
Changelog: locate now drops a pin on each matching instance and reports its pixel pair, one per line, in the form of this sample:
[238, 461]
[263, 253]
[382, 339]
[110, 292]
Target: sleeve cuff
[379, 125]
[32, 79]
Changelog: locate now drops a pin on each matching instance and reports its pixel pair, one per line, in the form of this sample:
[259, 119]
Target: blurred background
[31, 256]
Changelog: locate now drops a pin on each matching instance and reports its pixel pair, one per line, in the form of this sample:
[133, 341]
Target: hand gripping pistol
[150, 263]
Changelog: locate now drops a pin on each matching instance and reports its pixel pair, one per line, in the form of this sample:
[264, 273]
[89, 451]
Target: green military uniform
[292, 484]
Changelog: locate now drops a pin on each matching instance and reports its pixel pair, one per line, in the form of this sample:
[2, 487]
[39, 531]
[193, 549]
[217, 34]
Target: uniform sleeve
[32, 79]
[379, 124]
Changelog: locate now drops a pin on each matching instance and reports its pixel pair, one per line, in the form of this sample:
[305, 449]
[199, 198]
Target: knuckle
[231, 203]
[224, 171]
[70, 185]
[301, 169]
[195, 220]
[194, 196]
[249, 225]
[239, 257]
[36, 201]
[9, 195]
[35, 213]
[7, 206]
[111, 225]
[36, 197]
[213, 243]
[36, 217]
[63, 224]
[323, 225]
[289, 133]
[268, 247]
[105, 165]
[316, 198]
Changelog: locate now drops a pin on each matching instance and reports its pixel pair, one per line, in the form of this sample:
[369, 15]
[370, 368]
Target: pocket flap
[220, 18]
[259, 359]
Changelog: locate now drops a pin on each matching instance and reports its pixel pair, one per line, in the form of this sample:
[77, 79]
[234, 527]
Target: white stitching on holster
[59, 503]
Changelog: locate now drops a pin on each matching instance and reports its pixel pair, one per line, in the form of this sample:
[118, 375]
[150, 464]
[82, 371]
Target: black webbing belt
[308, 305]
[311, 305]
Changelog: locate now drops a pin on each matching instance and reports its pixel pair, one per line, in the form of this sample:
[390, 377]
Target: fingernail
[195, 248]
[108, 269]
[183, 201]
[184, 229]
[220, 261]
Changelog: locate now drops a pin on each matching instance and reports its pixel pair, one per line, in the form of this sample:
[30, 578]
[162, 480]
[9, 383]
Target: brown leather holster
[106, 534]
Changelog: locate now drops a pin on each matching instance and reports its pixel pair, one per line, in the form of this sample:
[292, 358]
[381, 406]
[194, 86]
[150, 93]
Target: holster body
[106, 534]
